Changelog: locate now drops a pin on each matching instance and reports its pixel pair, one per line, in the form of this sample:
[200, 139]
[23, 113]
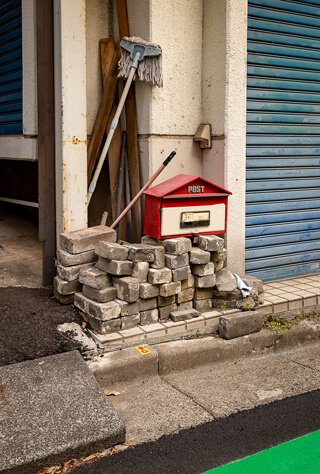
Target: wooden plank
[103, 114]
[46, 137]
[132, 133]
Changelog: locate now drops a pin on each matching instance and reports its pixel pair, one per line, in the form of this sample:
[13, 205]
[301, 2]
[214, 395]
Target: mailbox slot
[195, 219]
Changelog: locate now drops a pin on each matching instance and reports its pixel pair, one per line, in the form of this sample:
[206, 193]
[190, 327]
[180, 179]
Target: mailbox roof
[174, 184]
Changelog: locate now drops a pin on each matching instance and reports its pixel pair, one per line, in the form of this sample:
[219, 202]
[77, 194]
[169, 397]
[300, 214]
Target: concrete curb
[162, 359]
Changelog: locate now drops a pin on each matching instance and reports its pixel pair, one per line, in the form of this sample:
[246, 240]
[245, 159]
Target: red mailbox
[184, 206]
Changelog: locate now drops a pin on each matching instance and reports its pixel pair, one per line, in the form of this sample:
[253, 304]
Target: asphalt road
[218, 442]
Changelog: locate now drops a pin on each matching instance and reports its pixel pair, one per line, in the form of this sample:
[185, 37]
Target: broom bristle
[149, 69]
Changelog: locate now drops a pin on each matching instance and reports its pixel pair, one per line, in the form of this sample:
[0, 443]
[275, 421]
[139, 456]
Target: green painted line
[300, 455]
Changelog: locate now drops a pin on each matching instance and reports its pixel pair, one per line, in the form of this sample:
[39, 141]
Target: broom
[138, 59]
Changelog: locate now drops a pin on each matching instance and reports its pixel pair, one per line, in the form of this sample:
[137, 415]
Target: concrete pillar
[224, 106]
[70, 114]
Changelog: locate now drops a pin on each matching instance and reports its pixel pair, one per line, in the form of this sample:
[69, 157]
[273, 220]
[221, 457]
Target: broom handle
[113, 127]
[148, 183]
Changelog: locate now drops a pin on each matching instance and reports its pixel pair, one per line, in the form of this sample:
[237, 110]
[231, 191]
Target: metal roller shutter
[10, 67]
[283, 139]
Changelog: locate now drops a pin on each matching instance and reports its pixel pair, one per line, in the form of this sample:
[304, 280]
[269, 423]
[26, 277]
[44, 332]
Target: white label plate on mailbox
[171, 216]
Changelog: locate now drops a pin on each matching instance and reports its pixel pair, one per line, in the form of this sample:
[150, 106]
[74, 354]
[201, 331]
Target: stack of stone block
[77, 253]
[125, 285]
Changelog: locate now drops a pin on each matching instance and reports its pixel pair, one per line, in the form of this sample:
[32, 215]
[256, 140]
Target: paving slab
[240, 384]
[53, 409]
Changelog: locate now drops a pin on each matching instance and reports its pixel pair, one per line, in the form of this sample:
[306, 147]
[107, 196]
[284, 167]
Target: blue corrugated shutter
[10, 67]
[283, 139]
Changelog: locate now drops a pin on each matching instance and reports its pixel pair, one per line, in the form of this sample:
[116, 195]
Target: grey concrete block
[43, 399]
[218, 266]
[202, 305]
[185, 305]
[225, 280]
[63, 299]
[219, 256]
[177, 246]
[146, 239]
[253, 282]
[159, 257]
[181, 273]
[203, 293]
[182, 315]
[165, 311]
[140, 252]
[105, 327]
[240, 324]
[199, 256]
[127, 309]
[203, 270]
[66, 287]
[188, 283]
[72, 273]
[94, 277]
[211, 243]
[166, 300]
[149, 317]
[77, 334]
[205, 281]
[112, 251]
[115, 267]
[68, 259]
[159, 276]
[86, 239]
[147, 304]
[185, 295]
[140, 271]
[102, 311]
[128, 322]
[170, 289]
[127, 288]
[176, 261]
[101, 296]
[147, 290]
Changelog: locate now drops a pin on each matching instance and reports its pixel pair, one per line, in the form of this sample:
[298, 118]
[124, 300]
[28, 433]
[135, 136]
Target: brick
[105, 327]
[127, 288]
[154, 331]
[112, 251]
[68, 259]
[212, 243]
[205, 281]
[225, 280]
[146, 290]
[182, 315]
[203, 270]
[133, 335]
[219, 256]
[159, 257]
[199, 256]
[128, 322]
[71, 273]
[95, 278]
[176, 261]
[165, 311]
[175, 329]
[103, 311]
[127, 309]
[146, 239]
[86, 239]
[140, 252]
[159, 276]
[181, 273]
[196, 324]
[149, 317]
[203, 293]
[102, 296]
[185, 305]
[240, 324]
[115, 267]
[140, 271]
[63, 299]
[147, 304]
[169, 289]
[202, 305]
[185, 295]
[177, 246]
[66, 287]
[166, 300]
[188, 283]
